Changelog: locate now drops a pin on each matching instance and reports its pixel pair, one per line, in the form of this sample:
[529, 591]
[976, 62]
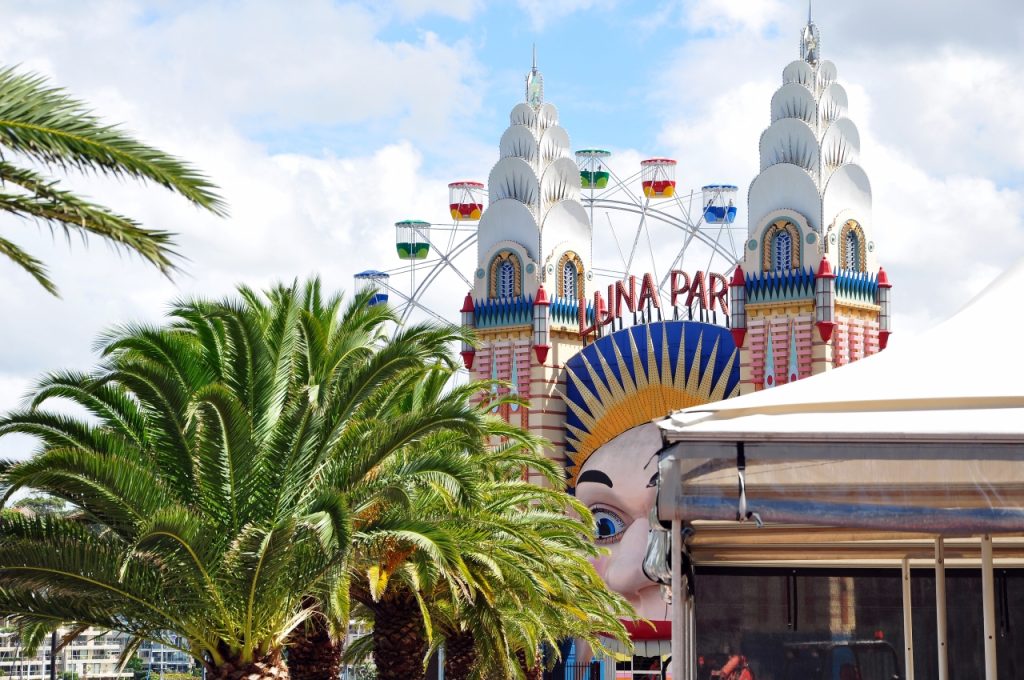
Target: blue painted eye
[609, 526]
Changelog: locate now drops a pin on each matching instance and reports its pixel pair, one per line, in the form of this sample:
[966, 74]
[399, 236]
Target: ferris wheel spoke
[639, 230]
[412, 303]
[445, 260]
[670, 220]
[435, 271]
[618, 246]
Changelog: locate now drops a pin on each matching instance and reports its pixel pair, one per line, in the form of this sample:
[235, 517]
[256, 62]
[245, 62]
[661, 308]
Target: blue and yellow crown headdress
[644, 372]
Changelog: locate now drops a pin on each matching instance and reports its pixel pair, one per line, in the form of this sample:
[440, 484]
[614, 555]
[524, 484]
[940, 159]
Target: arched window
[506, 279]
[851, 247]
[850, 261]
[506, 276]
[569, 280]
[782, 251]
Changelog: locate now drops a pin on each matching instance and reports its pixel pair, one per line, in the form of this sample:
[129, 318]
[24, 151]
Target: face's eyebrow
[595, 476]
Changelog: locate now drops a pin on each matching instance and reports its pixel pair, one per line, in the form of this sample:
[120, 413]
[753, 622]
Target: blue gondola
[719, 203]
[378, 280]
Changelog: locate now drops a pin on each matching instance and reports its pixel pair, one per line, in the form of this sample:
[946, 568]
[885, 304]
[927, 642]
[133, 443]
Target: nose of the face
[624, 572]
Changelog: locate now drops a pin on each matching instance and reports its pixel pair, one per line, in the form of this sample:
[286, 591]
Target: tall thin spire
[810, 40]
[534, 83]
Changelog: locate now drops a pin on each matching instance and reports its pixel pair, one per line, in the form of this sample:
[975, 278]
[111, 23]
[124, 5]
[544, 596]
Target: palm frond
[30, 264]
[43, 201]
[48, 125]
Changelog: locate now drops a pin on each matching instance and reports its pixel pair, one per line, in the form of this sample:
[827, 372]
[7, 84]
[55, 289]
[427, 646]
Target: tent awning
[926, 437]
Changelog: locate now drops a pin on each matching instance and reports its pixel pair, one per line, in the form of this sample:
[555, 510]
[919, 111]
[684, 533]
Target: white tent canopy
[931, 425]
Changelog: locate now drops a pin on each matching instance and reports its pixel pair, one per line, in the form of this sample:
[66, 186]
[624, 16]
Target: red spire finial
[737, 277]
[825, 270]
[883, 279]
[542, 297]
[467, 304]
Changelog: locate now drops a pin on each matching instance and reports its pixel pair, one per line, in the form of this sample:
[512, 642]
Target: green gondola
[412, 239]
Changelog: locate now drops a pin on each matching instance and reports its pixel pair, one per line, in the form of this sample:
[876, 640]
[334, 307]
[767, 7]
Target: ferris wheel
[641, 222]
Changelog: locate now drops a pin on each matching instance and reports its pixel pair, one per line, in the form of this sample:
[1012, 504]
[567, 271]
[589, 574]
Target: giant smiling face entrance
[615, 387]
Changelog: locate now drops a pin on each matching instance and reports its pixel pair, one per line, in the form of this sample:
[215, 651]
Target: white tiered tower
[533, 266]
[809, 295]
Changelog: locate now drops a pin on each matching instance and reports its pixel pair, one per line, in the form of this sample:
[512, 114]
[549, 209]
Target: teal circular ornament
[530, 268]
[811, 238]
[752, 244]
[480, 273]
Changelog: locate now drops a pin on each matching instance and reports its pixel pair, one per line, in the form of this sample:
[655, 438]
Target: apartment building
[91, 656]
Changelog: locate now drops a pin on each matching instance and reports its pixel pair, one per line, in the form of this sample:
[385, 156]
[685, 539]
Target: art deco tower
[810, 295]
[533, 266]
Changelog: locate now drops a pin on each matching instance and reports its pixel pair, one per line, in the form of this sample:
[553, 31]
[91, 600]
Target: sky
[325, 122]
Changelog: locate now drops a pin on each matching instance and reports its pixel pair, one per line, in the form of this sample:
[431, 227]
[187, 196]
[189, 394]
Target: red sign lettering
[707, 290]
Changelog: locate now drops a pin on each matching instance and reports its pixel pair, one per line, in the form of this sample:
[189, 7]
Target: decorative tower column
[825, 300]
[822, 353]
[541, 332]
[884, 308]
[738, 306]
[468, 352]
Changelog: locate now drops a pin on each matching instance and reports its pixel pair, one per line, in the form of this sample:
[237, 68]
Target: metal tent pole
[988, 594]
[940, 607]
[908, 623]
[678, 597]
[691, 636]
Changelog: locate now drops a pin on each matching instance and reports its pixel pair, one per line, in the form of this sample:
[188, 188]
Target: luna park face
[614, 483]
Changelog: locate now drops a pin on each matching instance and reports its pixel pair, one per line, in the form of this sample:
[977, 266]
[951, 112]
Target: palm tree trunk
[459, 656]
[534, 673]
[270, 667]
[399, 643]
[312, 653]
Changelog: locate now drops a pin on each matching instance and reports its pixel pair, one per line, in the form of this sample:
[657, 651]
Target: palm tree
[491, 575]
[539, 589]
[46, 127]
[414, 540]
[213, 469]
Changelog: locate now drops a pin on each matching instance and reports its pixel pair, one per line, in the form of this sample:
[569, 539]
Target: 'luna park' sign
[705, 291]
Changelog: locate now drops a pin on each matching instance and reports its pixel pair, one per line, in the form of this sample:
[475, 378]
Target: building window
[782, 251]
[781, 247]
[569, 280]
[506, 279]
[852, 253]
[850, 261]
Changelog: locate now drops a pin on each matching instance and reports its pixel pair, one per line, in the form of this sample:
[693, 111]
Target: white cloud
[268, 68]
[461, 10]
[544, 12]
[726, 16]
